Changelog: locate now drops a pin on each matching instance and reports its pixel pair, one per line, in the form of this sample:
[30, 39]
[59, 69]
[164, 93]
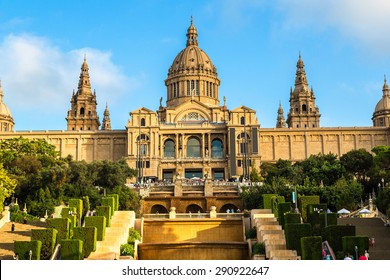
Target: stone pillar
[172, 213]
[213, 212]
[208, 187]
[178, 191]
[6, 213]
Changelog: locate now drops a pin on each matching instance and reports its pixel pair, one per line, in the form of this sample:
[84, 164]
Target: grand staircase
[271, 233]
[7, 237]
[116, 235]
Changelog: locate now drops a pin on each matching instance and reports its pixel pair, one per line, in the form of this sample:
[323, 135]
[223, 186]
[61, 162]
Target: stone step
[273, 236]
[270, 242]
[282, 253]
[270, 248]
[269, 227]
[262, 234]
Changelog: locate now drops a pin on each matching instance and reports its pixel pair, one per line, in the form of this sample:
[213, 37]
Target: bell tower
[303, 111]
[83, 115]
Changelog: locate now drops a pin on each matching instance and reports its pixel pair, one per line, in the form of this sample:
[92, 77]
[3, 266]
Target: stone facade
[194, 135]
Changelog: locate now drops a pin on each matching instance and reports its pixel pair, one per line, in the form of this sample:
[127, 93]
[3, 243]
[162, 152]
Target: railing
[57, 253]
[194, 216]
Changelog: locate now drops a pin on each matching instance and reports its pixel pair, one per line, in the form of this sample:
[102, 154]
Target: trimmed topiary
[100, 223]
[109, 201]
[104, 211]
[116, 201]
[294, 233]
[89, 237]
[48, 238]
[22, 249]
[71, 249]
[311, 248]
[62, 225]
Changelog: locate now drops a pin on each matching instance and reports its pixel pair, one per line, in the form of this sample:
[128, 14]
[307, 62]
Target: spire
[192, 35]
[84, 87]
[300, 79]
[280, 122]
[385, 90]
[106, 125]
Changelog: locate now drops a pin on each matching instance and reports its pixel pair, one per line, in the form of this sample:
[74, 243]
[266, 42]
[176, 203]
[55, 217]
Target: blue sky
[254, 44]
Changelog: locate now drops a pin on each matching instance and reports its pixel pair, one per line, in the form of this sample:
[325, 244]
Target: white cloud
[366, 21]
[38, 78]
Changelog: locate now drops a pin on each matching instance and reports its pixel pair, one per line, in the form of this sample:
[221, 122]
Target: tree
[7, 186]
[358, 163]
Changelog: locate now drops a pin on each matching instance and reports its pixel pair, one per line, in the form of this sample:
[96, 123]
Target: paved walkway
[7, 237]
[372, 227]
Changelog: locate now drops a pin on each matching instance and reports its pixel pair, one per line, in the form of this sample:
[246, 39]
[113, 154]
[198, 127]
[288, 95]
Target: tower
[280, 122]
[106, 124]
[303, 111]
[83, 115]
[381, 115]
[6, 119]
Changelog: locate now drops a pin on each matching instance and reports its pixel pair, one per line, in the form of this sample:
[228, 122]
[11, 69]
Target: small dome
[383, 104]
[4, 111]
[6, 120]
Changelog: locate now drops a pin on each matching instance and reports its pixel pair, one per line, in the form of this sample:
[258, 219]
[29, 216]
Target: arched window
[242, 121]
[216, 148]
[143, 122]
[193, 147]
[169, 148]
[304, 109]
[82, 111]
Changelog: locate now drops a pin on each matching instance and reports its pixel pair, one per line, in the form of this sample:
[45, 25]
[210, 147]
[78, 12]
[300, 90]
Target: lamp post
[294, 198]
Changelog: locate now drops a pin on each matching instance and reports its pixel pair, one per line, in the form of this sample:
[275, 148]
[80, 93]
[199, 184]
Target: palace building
[194, 134]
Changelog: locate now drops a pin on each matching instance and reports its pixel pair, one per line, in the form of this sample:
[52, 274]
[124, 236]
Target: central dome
[192, 75]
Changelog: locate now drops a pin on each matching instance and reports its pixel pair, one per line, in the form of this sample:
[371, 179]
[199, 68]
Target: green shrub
[292, 218]
[62, 225]
[116, 200]
[86, 205]
[258, 248]
[22, 249]
[89, 236]
[294, 233]
[334, 235]
[20, 216]
[104, 211]
[133, 236]
[71, 249]
[311, 248]
[251, 233]
[306, 200]
[14, 208]
[349, 243]
[78, 205]
[100, 223]
[48, 238]
[275, 200]
[267, 200]
[127, 250]
[109, 201]
[283, 208]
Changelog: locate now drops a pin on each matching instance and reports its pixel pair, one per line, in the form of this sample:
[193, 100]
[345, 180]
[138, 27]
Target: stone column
[208, 187]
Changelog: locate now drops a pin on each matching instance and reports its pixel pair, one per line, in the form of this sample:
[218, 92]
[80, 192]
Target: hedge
[294, 233]
[334, 234]
[78, 204]
[291, 218]
[267, 200]
[100, 223]
[313, 216]
[306, 200]
[283, 208]
[22, 249]
[109, 201]
[67, 212]
[71, 249]
[104, 211]
[311, 248]
[116, 200]
[62, 225]
[349, 243]
[48, 238]
[275, 200]
[89, 237]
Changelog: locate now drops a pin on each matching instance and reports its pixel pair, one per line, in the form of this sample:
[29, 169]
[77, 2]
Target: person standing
[366, 254]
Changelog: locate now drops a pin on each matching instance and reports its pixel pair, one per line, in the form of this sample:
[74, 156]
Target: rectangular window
[239, 163]
[197, 87]
[188, 88]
